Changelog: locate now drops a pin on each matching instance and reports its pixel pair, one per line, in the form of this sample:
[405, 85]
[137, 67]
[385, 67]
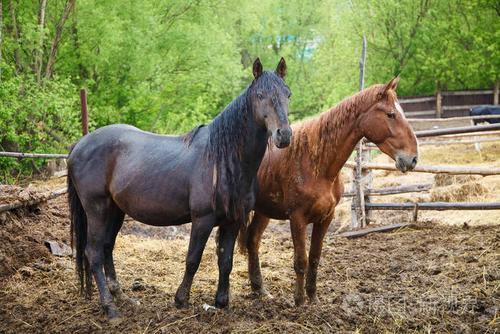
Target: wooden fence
[450, 135]
[447, 104]
[362, 167]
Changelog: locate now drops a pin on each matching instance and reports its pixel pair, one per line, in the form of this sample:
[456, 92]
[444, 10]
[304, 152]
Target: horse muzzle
[406, 162]
[282, 137]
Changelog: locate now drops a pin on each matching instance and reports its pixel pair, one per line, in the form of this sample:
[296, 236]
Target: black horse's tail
[79, 238]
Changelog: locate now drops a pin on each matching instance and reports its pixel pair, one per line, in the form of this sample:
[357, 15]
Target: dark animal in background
[207, 177]
[486, 110]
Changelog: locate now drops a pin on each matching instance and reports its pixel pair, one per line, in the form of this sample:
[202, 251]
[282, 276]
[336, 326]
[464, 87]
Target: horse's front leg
[200, 231]
[318, 234]
[225, 250]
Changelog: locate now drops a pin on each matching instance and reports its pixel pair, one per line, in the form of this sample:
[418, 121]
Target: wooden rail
[454, 170]
[457, 130]
[20, 204]
[392, 190]
[439, 206]
[33, 155]
[366, 231]
[457, 142]
[451, 119]
[477, 134]
[445, 142]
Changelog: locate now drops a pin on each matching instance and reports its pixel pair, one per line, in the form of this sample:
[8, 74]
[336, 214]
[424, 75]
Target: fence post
[358, 213]
[439, 104]
[495, 92]
[85, 115]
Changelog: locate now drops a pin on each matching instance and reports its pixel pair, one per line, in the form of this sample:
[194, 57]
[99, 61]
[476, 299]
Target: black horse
[207, 177]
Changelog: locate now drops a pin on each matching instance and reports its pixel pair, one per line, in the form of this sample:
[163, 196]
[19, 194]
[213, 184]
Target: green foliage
[36, 119]
[167, 65]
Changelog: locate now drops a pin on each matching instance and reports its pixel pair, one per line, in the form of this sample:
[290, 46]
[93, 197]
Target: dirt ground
[427, 278]
[442, 274]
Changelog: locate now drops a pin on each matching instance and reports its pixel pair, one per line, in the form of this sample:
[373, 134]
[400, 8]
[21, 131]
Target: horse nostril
[278, 132]
[414, 161]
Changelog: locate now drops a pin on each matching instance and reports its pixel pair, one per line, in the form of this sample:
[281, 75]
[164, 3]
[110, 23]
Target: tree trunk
[76, 44]
[38, 52]
[15, 33]
[70, 4]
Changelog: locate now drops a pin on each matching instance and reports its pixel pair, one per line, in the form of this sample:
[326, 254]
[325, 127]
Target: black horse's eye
[391, 115]
[259, 95]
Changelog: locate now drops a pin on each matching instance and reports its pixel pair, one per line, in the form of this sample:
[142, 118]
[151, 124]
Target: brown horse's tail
[79, 238]
[243, 235]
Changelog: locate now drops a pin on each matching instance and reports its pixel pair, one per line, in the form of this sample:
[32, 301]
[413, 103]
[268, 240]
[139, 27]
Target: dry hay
[441, 180]
[458, 192]
[462, 154]
[428, 278]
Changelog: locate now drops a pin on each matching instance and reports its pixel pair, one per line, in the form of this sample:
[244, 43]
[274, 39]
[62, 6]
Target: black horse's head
[269, 98]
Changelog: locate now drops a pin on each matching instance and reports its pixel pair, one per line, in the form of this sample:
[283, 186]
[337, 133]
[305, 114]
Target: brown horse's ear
[281, 68]
[392, 85]
[257, 68]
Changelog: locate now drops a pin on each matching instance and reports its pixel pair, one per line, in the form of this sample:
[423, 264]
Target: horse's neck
[336, 158]
[343, 125]
[255, 146]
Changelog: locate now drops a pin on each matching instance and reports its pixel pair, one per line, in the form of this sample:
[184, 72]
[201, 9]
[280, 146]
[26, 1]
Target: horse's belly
[155, 208]
[272, 206]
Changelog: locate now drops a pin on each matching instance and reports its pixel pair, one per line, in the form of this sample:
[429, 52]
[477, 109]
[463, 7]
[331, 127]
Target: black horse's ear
[257, 68]
[281, 68]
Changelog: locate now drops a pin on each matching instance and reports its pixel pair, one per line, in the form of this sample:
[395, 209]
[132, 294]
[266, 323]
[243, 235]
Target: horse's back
[138, 170]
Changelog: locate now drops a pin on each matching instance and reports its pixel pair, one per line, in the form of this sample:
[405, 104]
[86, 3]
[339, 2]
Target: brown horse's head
[385, 124]
[269, 95]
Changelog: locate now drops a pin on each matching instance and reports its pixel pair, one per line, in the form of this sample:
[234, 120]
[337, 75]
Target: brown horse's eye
[391, 115]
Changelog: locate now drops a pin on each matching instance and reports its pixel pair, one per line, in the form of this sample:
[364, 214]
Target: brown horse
[309, 187]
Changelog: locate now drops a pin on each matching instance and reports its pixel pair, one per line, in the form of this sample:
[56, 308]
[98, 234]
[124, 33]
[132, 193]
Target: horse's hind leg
[94, 251]
[318, 234]
[114, 224]
[255, 231]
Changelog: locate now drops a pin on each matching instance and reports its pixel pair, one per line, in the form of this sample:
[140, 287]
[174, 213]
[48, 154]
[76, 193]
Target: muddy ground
[427, 278]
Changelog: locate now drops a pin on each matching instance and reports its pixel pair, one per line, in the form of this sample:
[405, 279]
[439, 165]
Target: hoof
[313, 299]
[114, 316]
[221, 302]
[221, 305]
[263, 294]
[181, 303]
[299, 301]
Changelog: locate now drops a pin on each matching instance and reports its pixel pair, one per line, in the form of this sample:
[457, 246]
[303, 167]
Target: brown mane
[315, 135]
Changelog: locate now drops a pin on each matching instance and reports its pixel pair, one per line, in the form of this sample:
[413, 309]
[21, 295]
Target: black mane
[228, 135]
